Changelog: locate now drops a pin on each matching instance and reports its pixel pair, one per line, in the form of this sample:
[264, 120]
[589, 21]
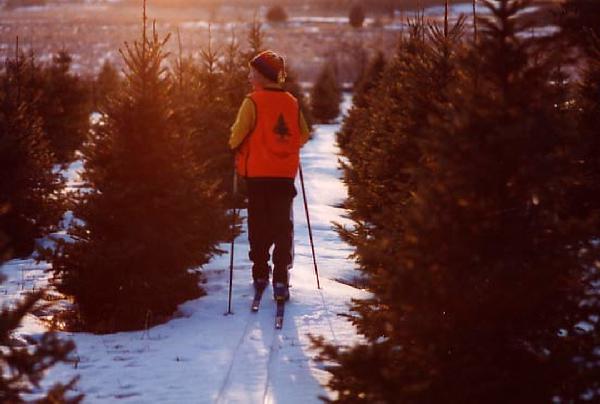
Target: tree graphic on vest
[281, 128]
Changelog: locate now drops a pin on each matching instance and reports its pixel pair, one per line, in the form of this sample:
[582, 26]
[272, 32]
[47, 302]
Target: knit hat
[270, 65]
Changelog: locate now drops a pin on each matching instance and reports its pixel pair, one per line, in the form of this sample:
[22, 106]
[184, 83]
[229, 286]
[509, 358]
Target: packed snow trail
[202, 356]
[278, 360]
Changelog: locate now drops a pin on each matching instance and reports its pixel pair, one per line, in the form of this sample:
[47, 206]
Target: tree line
[39, 128]
[473, 171]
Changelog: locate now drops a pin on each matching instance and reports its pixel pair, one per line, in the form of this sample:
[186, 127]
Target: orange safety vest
[272, 148]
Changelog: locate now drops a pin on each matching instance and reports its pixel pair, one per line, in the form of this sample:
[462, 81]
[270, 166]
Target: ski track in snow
[202, 356]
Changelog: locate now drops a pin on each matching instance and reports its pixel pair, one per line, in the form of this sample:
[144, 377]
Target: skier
[267, 136]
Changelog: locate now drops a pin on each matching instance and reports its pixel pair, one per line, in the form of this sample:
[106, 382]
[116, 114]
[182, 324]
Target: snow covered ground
[202, 356]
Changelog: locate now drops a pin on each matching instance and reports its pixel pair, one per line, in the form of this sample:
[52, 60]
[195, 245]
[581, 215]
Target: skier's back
[267, 136]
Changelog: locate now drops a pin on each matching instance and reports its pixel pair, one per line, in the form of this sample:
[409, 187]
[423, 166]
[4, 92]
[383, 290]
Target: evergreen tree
[587, 108]
[326, 96]
[152, 212]
[29, 186]
[255, 40]
[215, 92]
[185, 85]
[292, 86]
[368, 79]
[106, 85]
[580, 21]
[235, 70]
[383, 136]
[356, 17]
[23, 366]
[480, 274]
[214, 116]
[235, 88]
[64, 106]
[358, 114]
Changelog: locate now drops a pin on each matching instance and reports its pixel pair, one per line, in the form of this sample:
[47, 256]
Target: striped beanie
[270, 65]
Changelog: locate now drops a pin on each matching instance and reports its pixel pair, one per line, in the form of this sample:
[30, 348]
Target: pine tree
[23, 366]
[587, 109]
[235, 69]
[366, 84]
[106, 85]
[480, 274]
[368, 79]
[212, 110]
[152, 213]
[326, 96]
[64, 106]
[292, 86]
[383, 136]
[580, 21]
[255, 39]
[29, 187]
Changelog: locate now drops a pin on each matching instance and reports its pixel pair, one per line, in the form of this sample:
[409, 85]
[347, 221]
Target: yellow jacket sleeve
[244, 123]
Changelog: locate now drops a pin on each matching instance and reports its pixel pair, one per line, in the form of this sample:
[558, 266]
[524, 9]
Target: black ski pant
[270, 222]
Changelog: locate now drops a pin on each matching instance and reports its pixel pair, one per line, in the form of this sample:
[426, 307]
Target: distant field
[322, 4]
[94, 32]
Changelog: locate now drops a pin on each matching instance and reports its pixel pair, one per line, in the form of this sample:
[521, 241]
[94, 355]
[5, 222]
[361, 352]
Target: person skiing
[267, 136]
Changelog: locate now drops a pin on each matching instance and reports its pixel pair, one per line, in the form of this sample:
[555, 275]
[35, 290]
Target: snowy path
[203, 356]
[276, 366]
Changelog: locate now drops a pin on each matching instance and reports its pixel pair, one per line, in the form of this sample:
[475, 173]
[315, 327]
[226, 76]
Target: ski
[259, 287]
[279, 314]
[257, 297]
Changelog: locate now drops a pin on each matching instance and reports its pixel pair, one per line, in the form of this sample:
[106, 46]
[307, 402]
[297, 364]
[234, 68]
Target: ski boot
[259, 287]
[260, 284]
[281, 292]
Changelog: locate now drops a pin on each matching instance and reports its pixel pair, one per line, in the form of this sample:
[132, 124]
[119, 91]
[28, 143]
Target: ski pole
[312, 244]
[233, 220]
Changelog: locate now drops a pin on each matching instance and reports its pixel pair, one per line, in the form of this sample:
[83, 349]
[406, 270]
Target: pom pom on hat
[270, 65]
